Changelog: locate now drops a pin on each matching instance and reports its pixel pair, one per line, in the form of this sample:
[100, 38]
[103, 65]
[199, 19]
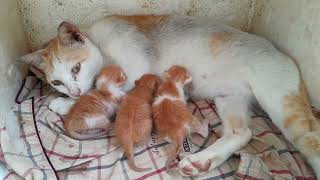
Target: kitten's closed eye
[56, 82]
[76, 68]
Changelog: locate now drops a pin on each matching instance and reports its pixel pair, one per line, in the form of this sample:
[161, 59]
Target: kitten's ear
[166, 74]
[188, 79]
[124, 76]
[35, 59]
[70, 35]
[158, 82]
[136, 82]
[121, 79]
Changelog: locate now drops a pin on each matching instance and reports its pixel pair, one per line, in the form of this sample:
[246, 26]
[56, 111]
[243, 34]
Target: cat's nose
[75, 92]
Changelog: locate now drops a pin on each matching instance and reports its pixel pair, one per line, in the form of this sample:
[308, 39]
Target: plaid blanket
[46, 153]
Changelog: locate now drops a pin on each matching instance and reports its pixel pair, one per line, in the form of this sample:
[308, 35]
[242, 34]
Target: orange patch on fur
[144, 23]
[55, 49]
[313, 143]
[134, 118]
[175, 74]
[114, 74]
[90, 105]
[76, 55]
[172, 118]
[96, 103]
[178, 73]
[290, 120]
[219, 41]
[235, 124]
[298, 108]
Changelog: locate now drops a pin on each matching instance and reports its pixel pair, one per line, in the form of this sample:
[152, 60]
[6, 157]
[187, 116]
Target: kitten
[94, 109]
[171, 116]
[134, 118]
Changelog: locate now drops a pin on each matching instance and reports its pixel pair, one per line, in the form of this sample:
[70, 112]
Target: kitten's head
[150, 80]
[178, 74]
[110, 75]
[70, 61]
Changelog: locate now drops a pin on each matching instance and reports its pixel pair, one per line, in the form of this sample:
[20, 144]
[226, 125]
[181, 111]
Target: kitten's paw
[60, 105]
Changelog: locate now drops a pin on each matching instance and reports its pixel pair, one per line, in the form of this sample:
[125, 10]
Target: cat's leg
[200, 127]
[291, 112]
[233, 111]
[280, 91]
[61, 105]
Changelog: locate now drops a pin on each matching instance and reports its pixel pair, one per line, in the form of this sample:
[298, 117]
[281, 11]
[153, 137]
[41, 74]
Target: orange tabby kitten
[134, 118]
[171, 116]
[93, 110]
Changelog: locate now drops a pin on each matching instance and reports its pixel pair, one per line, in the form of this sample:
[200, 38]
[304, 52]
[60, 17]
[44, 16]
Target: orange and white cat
[93, 109]
[172, 119]
[134, 118]
[227, 65]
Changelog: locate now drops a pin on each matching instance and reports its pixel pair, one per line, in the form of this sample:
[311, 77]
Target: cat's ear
[35, 59]
[70, 35]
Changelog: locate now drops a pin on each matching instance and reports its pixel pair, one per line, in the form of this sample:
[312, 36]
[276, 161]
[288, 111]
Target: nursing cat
[228, 65]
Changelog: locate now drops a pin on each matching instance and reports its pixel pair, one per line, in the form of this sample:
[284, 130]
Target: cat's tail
[128, 148]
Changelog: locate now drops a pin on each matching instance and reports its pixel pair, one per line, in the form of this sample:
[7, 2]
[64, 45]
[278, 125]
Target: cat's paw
[193, 166]
[60, 105]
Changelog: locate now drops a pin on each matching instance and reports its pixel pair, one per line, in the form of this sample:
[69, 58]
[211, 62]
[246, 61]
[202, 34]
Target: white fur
[247, 67]
[188, 128]
[92, 122]
[181, 96]
[101, 82]
[159, 99]
[116, 91]
[179, 87]
[61, 105]
[122, 44]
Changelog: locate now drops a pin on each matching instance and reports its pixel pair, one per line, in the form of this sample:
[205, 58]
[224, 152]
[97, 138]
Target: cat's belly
[211, 87]
[210, 77]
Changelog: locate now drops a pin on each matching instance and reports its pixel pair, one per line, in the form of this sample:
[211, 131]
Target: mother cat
[228, 65]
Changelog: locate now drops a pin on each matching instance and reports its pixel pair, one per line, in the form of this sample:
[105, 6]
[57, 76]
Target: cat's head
[150, 80]
[69, 61]
[178, 74]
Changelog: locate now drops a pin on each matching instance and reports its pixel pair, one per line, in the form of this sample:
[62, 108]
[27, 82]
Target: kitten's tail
[79, 136]
[130, 156]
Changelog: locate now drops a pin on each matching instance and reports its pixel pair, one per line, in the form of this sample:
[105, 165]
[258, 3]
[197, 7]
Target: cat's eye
[57, 83]
[76, 68]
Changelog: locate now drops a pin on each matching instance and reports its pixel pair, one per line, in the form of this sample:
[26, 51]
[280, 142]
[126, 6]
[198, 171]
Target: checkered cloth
[47, 153]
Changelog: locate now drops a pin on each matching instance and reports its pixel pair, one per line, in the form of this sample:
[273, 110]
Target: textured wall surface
[41, 17]
[12, 46]
[293, 26]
